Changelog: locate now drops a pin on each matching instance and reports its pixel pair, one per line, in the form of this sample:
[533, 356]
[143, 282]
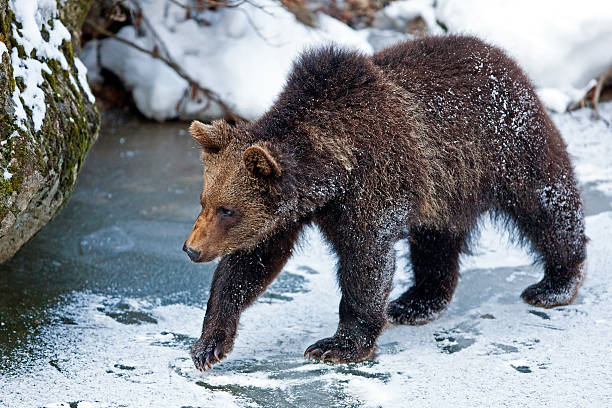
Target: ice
[107, 239]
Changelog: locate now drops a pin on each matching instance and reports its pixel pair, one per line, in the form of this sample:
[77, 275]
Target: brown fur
[422, 137]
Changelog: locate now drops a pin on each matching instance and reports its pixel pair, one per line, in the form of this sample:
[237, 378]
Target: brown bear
[418, 140]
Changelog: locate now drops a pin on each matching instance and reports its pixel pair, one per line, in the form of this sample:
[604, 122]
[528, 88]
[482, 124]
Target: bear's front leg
[365, 275]
[238, 280]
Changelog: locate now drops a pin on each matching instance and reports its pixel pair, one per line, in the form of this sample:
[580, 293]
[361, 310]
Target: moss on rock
[43, 164]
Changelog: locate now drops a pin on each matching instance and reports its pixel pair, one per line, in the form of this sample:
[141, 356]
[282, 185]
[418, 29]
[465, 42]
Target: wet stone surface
[100, 309]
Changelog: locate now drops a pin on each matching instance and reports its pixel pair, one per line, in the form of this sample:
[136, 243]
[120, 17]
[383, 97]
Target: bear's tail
[329, 73]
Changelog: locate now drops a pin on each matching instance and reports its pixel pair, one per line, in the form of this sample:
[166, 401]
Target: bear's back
[465, 85]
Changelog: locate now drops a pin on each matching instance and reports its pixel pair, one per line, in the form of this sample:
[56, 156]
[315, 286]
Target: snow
[122, 337]
[244, 56]
[589, 146]
[561, 44]
[3, 49]
[30, 70]
[496, 249]
[89, 57]
[243, 53]
[82, 75]
[21, 116]
[401, 12]
[554, 99]
[34, 16]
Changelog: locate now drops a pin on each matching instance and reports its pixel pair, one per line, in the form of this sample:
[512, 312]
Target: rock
[48, 119]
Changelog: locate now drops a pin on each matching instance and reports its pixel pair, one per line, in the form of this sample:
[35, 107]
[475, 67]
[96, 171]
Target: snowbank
[562, 45]
[243, 53]
[244, 56]
[399, 13]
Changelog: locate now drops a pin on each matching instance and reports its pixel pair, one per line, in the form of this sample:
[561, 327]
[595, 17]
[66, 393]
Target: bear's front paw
[548, 293]
[208, 351]
[336, 350]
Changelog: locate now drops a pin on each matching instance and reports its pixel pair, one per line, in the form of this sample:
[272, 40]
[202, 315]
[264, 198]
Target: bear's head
[239, 179]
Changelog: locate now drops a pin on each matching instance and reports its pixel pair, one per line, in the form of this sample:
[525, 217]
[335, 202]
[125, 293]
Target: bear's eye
[226, 212]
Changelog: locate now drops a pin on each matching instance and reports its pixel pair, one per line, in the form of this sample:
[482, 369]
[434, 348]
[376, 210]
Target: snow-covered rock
[48, 118]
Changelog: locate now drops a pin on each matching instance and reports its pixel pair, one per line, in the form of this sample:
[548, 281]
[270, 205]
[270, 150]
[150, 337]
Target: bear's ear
[260, 162]
[205, 135]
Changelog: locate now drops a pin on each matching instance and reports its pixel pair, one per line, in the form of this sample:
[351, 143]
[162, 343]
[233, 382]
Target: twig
[212, 3]
[158, 41]
[598, 88]
[258, 30]
[192, 82]
[596, 94]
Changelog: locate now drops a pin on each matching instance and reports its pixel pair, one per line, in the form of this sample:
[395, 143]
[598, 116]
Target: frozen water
[101, 308]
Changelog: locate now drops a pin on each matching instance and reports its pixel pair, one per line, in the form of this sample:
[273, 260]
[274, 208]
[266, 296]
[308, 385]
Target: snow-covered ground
[244, 53]
[100, 309]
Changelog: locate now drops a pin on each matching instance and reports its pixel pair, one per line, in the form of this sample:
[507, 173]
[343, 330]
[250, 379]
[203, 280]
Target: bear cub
[417, 140]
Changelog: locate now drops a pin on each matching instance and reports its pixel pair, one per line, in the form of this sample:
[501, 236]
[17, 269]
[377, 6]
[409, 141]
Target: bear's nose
[191, 253]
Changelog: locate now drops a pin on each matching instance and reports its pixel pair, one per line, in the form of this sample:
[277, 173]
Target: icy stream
[100, 309]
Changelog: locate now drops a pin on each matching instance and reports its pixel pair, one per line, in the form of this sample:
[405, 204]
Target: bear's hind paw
[548, 294]
[414, 313]
[333, 350]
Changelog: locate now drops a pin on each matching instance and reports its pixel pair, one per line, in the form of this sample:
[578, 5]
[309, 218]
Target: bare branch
[156, 38]
[593, 95]
[257, 29]
[603, 79]
[192, 82]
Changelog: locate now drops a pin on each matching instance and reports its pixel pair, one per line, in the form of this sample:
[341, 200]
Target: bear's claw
[336, 351]
[206, 352]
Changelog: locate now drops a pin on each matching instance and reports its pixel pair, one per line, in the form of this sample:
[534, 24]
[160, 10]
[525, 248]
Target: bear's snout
[191, 253]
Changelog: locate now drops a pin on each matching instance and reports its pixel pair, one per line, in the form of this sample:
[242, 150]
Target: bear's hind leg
[435, 263]
[553, 220]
